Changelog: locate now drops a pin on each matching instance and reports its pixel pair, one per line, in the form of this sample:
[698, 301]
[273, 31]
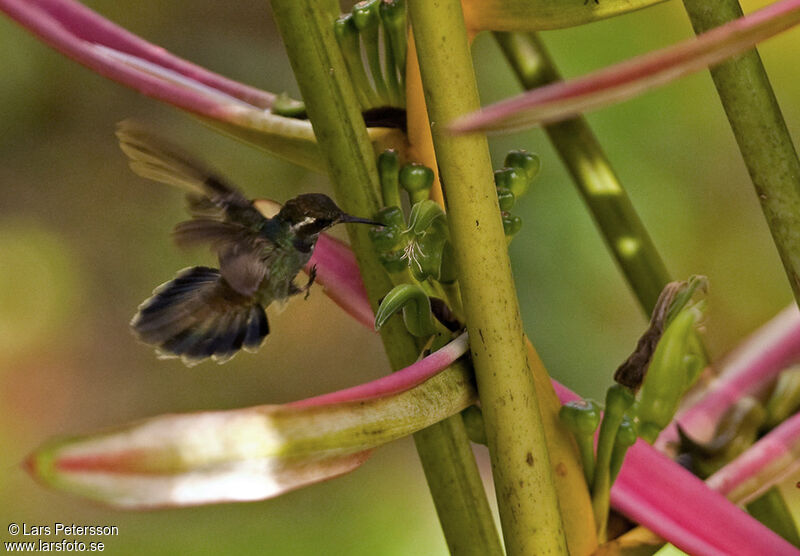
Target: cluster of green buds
[513, 181]
[415, 251]
[665, 364]
[617, 434]
[377, 28]
[741, 425]
[369, 25]
[415, 248]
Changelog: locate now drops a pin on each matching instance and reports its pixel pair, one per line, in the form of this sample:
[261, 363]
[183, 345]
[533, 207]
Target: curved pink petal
[658, 493]
[398, 381]
[746, 371]
[71, 27]
[258, 452]
[630, 78]
[766, 463]
[338, 273]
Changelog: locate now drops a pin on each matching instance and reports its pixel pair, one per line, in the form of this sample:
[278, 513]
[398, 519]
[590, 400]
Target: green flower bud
[627, 433]
[417, 180]
[524, 160]
[390, 240]
[393, 16]
[581, 416]
[506, 198]
[365, 14]
[515, 180]
[347, 36]
[618, 400]
[684, 295]
[386, 239]
[511, 224]
[626, 437]
[288, 107]
[393, 261]
[391, 236]
[389, 172]
[366, 20]
[392, 217]
[345, 30]
[668, 376]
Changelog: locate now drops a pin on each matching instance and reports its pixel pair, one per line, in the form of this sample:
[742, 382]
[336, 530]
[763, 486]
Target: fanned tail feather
[197, 315]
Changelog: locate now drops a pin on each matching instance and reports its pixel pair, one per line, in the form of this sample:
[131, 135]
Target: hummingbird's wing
[243, 253]
[153, 158]
[223, 217]
[244, 265]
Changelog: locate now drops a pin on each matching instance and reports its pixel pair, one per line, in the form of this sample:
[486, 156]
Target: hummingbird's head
[312, 213]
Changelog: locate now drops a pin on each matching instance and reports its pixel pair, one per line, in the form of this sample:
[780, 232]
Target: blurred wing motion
[155, 159]
[198, 315]
[204, 312]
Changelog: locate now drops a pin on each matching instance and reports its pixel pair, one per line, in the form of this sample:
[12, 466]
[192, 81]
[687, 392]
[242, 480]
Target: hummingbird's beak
[356, 220]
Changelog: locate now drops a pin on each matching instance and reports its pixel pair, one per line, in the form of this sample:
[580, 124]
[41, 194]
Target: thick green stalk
[523, 479]
[761, 133]
[581, 153]
[307, 30]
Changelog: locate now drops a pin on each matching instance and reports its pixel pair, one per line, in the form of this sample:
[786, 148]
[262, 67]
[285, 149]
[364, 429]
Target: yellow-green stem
[307, 30]
[524, 484]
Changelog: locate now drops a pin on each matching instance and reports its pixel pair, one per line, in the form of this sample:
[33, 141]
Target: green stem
[307, 30]
[761, 133]
[618, 400]
[581, 153]
[586, 450]
[526, 493]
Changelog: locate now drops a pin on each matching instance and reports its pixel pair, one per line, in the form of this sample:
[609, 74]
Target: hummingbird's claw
[312, 275]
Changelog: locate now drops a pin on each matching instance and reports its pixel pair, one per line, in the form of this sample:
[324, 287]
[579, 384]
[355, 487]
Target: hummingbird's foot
[312, 275]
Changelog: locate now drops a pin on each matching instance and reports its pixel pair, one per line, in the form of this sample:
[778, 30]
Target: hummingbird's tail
[198, 315]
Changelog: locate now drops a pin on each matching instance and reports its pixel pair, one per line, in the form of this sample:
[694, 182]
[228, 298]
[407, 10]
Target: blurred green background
[83, 241]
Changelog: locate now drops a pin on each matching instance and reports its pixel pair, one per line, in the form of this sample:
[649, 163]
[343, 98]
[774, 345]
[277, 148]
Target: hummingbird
[208, 312]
